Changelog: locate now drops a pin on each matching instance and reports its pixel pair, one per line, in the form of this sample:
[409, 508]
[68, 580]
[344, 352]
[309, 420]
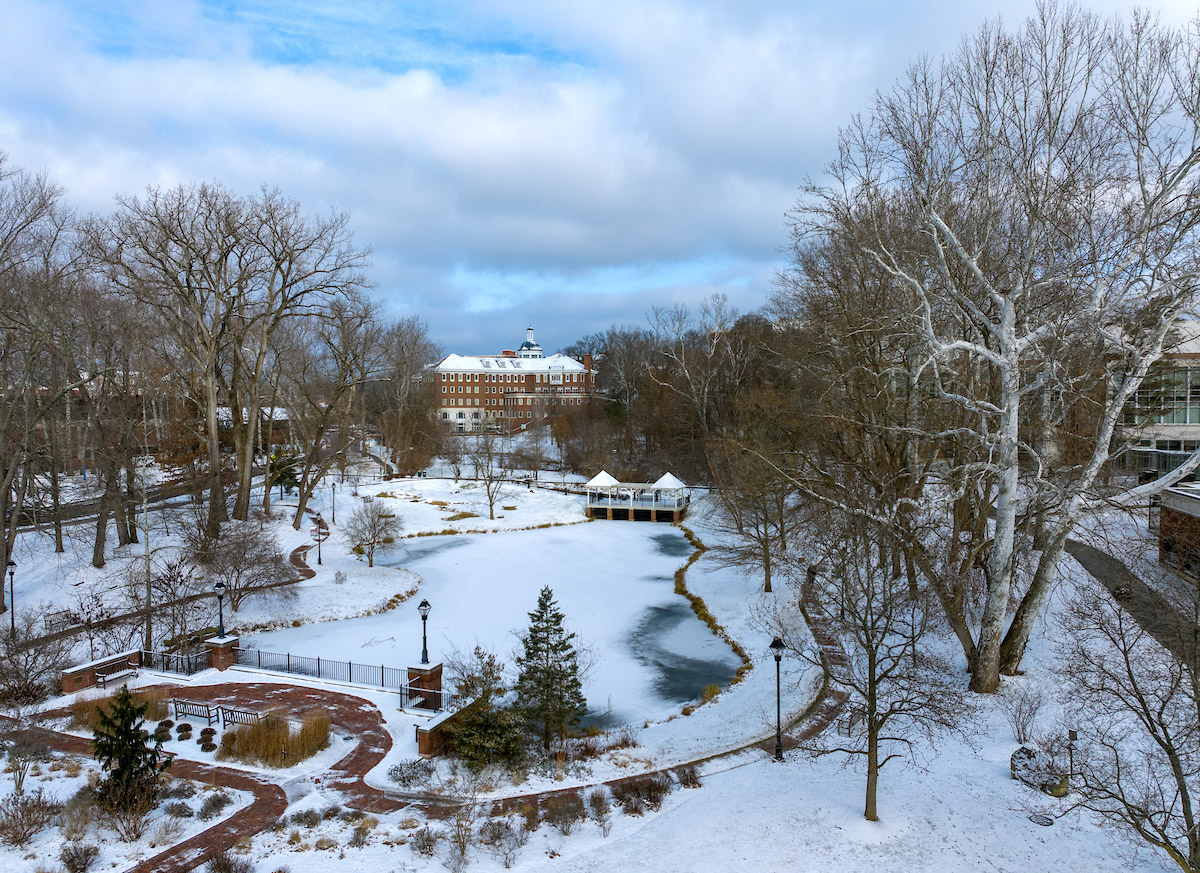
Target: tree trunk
[216, 490]
[870, 812]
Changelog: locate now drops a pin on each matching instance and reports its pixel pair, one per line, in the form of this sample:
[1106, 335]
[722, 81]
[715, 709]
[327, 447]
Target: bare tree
[372, 528]
[898, 689]
[246, 558]
[1137, 712]
[487, 458]
[1035, 194]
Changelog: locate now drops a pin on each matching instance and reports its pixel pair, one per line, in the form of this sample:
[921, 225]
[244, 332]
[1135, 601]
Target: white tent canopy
[668, 480]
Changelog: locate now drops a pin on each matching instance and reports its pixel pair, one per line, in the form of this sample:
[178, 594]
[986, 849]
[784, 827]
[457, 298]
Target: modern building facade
[510, 391]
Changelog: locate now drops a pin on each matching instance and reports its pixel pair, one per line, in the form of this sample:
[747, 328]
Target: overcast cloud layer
[566, 165]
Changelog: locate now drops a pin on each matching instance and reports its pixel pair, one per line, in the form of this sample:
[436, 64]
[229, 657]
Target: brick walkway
[362, 720]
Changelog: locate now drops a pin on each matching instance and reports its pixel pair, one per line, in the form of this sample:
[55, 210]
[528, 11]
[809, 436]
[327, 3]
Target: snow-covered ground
[956, 809]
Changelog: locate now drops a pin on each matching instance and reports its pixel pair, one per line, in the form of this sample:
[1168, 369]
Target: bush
[599, 805]
[635, 796]
[213, 804]
[22, 816]
[1021, 706]
[183, 728]
[206, 746]
[208, 732]
[166, 724]
[424, 841]
[308, 818]
[406, 774]
[86, 713]
[162, 735]
[178, 809]
[564, 811]
[273, 743]
[688, 777]
[460, 516]
[78, 857]
[360, 837]
[324, 843]
[223, 862]
[331, 812]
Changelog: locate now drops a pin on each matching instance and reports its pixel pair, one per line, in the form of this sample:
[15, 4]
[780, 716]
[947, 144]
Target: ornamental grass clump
[273, 743]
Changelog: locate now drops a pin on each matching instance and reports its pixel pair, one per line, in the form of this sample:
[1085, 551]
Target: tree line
[229, 336]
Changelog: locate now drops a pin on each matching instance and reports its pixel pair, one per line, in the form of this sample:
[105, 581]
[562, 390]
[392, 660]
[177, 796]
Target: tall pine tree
[121, 747]
[549, 691]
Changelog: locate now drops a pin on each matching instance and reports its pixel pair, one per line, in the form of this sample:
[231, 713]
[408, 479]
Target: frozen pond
[613, 580]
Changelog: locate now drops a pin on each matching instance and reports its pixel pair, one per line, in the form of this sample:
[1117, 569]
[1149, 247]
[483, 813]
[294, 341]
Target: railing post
[382, 682]
[318, 667]
[260, 659]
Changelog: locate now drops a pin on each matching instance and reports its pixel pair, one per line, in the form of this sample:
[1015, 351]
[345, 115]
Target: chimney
[587, 362]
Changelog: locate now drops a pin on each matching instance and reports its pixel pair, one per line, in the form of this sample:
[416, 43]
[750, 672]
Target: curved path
[362, 720]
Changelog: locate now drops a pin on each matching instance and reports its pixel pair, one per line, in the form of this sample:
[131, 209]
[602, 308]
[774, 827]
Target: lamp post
[333, 520]
[320, 521]
[777, 650]
[12, 603]
[423, 608]
[220, 589]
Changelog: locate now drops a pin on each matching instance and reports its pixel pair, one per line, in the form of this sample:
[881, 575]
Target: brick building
[1179, 531]
[509, 391]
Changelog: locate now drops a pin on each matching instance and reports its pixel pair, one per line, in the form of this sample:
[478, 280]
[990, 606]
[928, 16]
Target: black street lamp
[777, 649]
[320, 522]
[220, 589]
[423, 608]
[333, 485]
[12, 603]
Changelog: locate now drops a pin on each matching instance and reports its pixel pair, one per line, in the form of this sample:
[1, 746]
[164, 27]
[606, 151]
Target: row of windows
[520, 401]
[551, 378]
[475, 415]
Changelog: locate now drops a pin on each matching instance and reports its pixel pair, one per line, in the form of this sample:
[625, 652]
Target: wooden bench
[189, 708]
[115, 672]
[57, 621]
[238, 716]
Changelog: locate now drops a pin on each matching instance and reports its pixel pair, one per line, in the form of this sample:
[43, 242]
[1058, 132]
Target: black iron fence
[377, 675]
[175, 663]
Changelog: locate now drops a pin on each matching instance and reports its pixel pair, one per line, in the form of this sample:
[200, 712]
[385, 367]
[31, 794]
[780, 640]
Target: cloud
[498, 156]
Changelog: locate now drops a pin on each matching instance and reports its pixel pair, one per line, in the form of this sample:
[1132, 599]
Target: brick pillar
[426, 680]
[222, 652]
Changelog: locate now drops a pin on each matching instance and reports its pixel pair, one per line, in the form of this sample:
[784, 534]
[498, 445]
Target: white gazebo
[664, 500]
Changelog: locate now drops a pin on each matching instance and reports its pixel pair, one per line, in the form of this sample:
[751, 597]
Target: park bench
[57, 621]
[115, 672]
[189, 708]
[238, 716]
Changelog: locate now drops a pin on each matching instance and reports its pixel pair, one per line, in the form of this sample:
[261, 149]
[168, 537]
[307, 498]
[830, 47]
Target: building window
[445, 415]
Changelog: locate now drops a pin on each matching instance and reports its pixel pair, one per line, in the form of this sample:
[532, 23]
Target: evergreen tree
[121, 748]
[487, 731]
[549, 691]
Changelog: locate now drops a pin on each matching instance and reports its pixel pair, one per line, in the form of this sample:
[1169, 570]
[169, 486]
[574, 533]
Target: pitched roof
[601, 480]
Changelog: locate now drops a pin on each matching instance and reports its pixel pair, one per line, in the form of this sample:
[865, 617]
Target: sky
[565, 165]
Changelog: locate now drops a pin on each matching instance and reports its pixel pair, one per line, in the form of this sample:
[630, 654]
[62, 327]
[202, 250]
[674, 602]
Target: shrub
[22, 816]
[165, 724]
[178, 809]
[599, 805]
[308, 818]
[206, 746]
[214, 804]
[86, 713]
[183, 728]
[76, 817]
[1021, 706]
[162, 735]
[272, 741]
[688, 777]
[360, 837]
[208, 732]
[460, 516]
[424, 841]
[223, 862]
[324, 843]
[413, 772]
[78, 857]
[331, 812]
[564, 811]
[634, 796]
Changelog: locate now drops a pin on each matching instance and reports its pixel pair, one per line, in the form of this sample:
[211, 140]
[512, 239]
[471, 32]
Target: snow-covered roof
[557, 363]
[602, 480]
[668, 480]
[1187, 340]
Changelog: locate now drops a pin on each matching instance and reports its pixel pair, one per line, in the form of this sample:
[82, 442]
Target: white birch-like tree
[1036, 195]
